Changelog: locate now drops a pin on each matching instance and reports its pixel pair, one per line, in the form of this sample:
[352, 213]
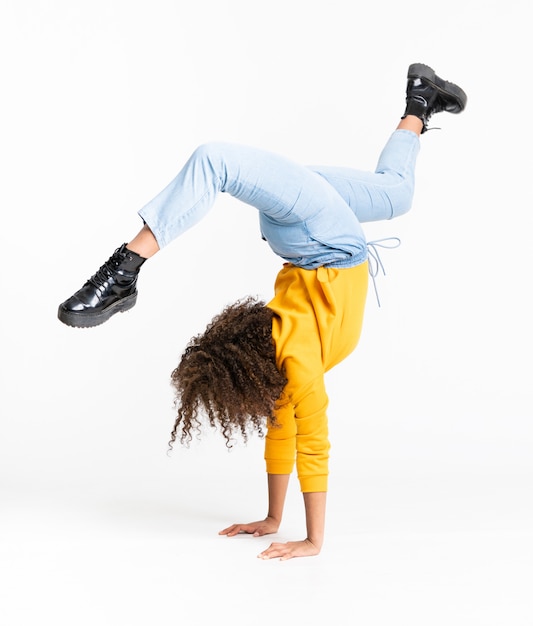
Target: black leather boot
[428, 94]
[112, 289]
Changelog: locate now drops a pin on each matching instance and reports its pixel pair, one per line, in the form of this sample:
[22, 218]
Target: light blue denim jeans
[310, 216]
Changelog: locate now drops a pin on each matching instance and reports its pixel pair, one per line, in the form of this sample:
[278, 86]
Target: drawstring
[374, 260]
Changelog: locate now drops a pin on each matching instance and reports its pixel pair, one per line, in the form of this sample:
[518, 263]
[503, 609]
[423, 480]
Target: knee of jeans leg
[212, 151]
[403, 199]
[212, 156]
[400, 208]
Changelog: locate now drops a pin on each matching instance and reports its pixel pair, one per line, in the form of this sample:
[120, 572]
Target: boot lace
[437, 107]
[108, 269]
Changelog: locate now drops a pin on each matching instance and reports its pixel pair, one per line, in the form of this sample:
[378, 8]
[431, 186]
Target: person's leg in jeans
[286, 193]
[276, 187]
[387, 192]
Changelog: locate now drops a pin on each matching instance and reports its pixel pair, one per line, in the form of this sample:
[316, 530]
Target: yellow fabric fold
[317, 323]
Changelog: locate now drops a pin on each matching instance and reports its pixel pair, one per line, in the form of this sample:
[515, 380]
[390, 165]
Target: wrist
[315, 541]
[315, 513]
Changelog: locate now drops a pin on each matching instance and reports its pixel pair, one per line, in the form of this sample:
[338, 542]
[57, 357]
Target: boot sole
[445, 88]
[88, 320]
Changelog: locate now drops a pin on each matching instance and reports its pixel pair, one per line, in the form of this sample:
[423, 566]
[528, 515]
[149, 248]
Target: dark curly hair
[229, 373]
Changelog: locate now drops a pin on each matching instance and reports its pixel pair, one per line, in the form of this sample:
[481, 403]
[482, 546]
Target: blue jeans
[310, 216]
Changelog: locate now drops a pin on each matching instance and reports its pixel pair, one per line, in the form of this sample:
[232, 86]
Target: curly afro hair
[229, 374]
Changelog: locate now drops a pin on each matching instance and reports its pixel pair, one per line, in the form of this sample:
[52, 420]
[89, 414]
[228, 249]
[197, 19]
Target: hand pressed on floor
[263, 527]
[289, 550]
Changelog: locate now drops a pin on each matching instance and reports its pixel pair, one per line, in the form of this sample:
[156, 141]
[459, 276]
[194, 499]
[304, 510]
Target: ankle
[412, 123]
[131, 261]
[144, 243]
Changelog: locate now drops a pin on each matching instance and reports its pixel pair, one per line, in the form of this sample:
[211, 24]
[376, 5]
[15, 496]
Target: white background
[430, 510]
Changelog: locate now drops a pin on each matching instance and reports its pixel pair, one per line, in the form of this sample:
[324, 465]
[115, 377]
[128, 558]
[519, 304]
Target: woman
[259, 364]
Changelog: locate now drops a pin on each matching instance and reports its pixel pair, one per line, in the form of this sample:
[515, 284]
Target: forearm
[315, 516]
[277, 490]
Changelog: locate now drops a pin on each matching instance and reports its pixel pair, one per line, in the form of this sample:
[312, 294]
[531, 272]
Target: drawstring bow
[375, 264]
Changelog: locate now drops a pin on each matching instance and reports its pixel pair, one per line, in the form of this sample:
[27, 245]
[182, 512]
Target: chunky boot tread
[84, 319]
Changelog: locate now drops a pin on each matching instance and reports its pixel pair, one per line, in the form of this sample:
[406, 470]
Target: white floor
[400, 550]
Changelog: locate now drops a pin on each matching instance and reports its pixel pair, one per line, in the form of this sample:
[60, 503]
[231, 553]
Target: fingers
[289, 550]
[258, 529]
[277, 550]
[233, 530]
[236, 529]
